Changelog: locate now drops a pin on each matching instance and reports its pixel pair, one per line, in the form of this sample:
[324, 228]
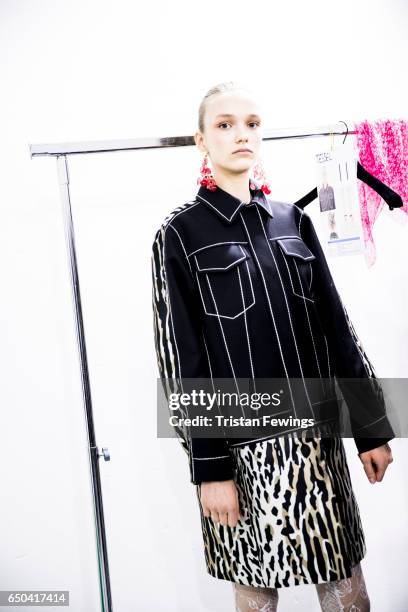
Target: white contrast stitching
[290, 317]
[310, 327]
[211, 314]
[185, 252]
[218, 211]
[172, 215]
[301, 286]
[233, 263]
[280, 433]
[211, 373]
[270, 308]
[372, 423]
[217, 314]
[246, 324]
[216, 244]
[179, 379]
[304, 257]
[223, 335]
[208, 458]
[283, 237]
[327, 353]
[290, 278]
[300, 220]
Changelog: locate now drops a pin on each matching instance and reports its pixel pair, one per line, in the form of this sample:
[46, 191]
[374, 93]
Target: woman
[242, 290]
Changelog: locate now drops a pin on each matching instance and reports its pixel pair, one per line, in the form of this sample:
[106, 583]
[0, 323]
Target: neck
[235, 184]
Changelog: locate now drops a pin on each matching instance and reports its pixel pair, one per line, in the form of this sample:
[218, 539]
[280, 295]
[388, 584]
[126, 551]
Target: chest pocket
[298, 257]
[224, 280]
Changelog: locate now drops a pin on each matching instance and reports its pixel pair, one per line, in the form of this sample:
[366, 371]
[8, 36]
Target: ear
[199, 140]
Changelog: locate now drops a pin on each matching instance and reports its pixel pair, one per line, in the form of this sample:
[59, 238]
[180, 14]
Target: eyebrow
[229, 115]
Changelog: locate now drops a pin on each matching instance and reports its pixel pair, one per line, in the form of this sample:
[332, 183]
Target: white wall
[83, 70]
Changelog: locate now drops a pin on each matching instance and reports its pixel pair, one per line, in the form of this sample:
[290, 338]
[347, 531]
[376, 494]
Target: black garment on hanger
[391, 197]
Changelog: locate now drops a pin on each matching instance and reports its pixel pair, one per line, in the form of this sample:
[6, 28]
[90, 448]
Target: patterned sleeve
[180, 347]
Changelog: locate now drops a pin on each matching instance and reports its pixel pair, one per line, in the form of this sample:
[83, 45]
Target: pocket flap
[220, 257]
[296, 247]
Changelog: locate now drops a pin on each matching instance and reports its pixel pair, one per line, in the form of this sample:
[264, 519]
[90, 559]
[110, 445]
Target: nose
[242, 139]
[242, 134]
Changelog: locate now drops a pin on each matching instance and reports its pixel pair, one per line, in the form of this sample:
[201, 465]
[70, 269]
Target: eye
[255, 123]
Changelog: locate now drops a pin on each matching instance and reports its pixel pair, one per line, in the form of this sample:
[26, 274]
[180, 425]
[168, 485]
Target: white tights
[348, 595]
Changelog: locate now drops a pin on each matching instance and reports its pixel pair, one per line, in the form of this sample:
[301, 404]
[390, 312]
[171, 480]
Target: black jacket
[244, 291]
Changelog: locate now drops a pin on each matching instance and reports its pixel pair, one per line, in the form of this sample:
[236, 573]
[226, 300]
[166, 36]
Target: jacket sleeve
[180, 347]
[364, 397]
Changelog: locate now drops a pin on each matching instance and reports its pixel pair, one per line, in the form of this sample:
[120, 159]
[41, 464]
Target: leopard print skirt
[299, 519]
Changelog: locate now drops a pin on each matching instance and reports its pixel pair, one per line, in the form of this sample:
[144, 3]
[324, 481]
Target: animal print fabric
[299, 519]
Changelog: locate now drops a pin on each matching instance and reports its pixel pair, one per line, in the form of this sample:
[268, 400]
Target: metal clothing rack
[61, 152]
[134, 144]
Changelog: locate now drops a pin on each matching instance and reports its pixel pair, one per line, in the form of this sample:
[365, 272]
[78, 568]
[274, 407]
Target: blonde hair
[217, 89]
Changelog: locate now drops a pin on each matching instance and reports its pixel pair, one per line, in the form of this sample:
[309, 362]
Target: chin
[237, 168]
[245, 165]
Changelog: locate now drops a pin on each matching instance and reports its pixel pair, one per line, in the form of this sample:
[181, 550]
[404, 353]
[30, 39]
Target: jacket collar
[227, 205]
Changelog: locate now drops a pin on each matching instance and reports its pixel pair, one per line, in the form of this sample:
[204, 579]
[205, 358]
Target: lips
[243, 151]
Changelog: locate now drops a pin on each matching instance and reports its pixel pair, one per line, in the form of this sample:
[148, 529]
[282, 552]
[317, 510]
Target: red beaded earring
[259, 173]
[206, 178]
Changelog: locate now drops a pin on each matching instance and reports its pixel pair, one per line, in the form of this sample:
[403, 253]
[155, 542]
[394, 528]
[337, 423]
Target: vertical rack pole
[103, 566]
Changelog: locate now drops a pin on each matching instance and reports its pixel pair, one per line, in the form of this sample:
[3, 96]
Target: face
[232, 121]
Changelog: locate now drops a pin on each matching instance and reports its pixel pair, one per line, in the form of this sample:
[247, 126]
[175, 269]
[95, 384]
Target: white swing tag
[337, 191]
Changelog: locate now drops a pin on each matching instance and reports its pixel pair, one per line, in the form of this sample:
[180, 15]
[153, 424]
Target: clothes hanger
[391, 197]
